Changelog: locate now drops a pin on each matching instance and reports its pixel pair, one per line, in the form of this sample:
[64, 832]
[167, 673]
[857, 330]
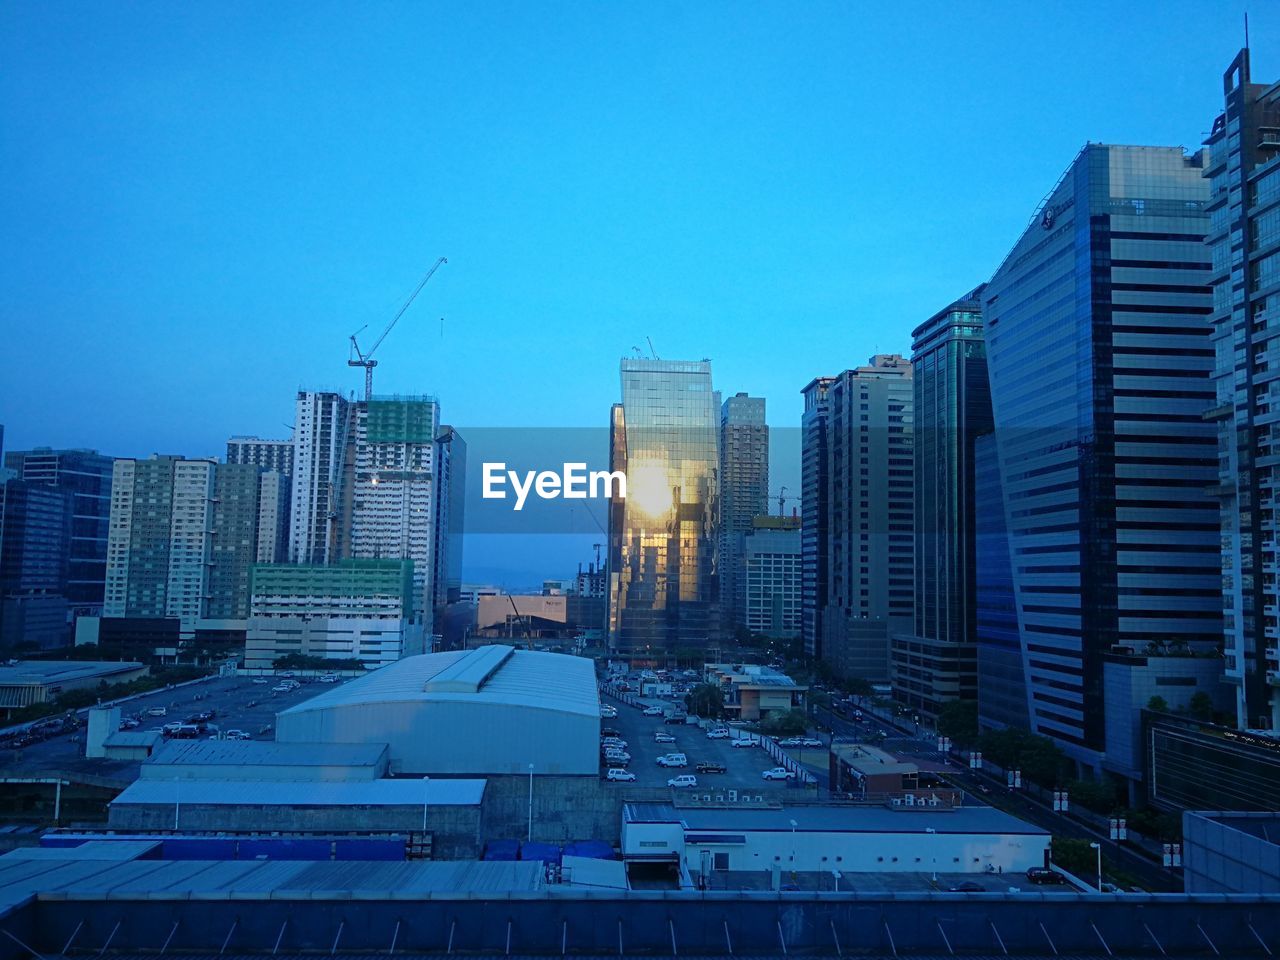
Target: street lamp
[793, 849]
[177, 793]
[529, 836]
[1098, 848]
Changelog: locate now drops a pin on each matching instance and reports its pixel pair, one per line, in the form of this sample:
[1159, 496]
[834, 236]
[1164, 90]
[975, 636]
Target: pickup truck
[710, 766]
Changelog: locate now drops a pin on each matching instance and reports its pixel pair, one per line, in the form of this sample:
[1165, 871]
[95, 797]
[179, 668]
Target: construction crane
[782, 501]
[362, 359]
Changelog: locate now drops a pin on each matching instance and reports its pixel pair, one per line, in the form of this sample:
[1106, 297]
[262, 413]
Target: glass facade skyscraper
[663, 591]
[1099, 361]
[936, 662]
[1244, 250]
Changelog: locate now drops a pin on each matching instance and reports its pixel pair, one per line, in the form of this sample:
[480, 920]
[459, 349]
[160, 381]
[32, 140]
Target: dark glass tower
[937, 662]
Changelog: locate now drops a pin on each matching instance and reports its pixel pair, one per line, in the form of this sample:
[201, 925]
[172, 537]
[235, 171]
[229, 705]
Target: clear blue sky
[199, 202]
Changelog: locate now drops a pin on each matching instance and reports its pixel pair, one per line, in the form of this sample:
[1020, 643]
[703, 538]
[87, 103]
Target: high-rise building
[274, 455]
[394, 489]
[86, 476]
[744, 495]
[870, 507]
[814, 489]
[1244, 224]
[275, 458]
[320, 492]
[35, 535]
[184, 535]
[451, 459]
[663, 595]
[937, 660]
[771, 577]
[1099, 361]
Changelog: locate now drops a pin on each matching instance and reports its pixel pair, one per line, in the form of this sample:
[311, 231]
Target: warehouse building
[490, 711]
[442, 818]
[808, 842]
[38, 681]
[264, 760]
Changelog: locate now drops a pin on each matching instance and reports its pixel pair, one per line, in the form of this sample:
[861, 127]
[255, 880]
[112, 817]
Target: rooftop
[870, 760]
[495, 673]
[267, 753]
[751, 675]
[27, 672]
[832, 818]
[305, 793]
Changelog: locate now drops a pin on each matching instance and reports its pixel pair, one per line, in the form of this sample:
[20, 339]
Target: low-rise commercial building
[752, 691]
[817, 839]
[866, 771]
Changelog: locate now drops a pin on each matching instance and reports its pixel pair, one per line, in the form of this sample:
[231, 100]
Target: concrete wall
[564, 808]
[456, 830]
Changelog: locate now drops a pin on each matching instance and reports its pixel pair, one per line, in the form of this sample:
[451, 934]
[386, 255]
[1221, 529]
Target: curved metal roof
[496, 674]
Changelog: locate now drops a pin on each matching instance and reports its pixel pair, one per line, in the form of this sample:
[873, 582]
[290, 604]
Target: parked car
[613, 742]
[676, 718]
[608, 732]
[717, 733]
[158, 711]
[682, 781]
[967, 887]
[608, 711]
[673, 760]
[618, 775]
[744, 742]
[1043, 875]
[779, 773]
[239, 735]
[710, 766]
[653, 711]
[791, 742]
[128, 723]
[619, 757]
[329, 678]
[809, 742]
[662, 737]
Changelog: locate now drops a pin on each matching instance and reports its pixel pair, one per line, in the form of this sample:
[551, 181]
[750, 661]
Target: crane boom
[366, 360]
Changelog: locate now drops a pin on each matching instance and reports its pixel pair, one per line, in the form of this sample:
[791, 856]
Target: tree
[1073, 855]
[1097, 795]
[1158, 704]
[859, 686]
[705, 700]
[958, 719]
[1201, 706]
[785, 724]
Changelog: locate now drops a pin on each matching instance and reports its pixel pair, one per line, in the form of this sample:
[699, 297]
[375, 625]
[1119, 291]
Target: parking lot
[239, 702]
[743, 765]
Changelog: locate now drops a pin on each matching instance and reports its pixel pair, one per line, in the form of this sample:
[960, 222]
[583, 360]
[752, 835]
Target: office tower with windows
[937, 660]
[771, 577]
[662, 579]
[814, 489]
[869, 527]
[744, 495]
[320, 488]
[1243, 239]
[86, 476]
[451, 460]
[36, 522]
[1100, 363]
[274, 455]
[393, 508]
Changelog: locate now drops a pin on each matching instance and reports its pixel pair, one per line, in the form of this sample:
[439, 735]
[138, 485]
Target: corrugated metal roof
[495, 673]
[833, 818]
[133, 738]
[89, 850]
[267, 753]
[327, 793]
[27, 672]
[283, 879]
